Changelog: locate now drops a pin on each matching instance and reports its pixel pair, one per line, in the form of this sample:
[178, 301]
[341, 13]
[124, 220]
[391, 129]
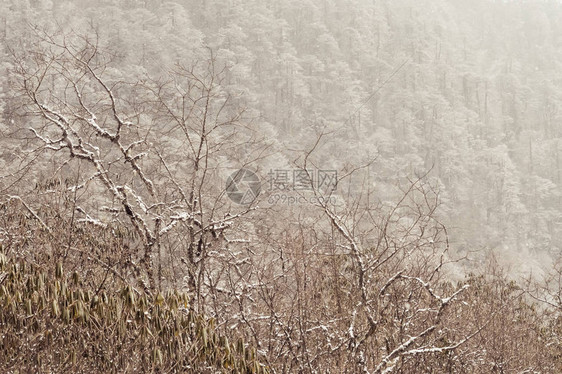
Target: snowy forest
[257, 186]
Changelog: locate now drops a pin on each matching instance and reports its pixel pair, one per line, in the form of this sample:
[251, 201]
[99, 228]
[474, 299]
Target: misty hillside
[466, 91]
[349, 186]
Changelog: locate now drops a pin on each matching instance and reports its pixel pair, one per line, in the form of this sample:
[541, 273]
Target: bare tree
[350, 288]
[152, 153]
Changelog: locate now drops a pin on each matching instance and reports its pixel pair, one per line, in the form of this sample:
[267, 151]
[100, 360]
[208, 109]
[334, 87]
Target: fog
[346, 186]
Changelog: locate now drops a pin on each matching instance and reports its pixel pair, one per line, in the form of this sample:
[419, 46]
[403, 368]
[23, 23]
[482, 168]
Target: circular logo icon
[243, 186]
